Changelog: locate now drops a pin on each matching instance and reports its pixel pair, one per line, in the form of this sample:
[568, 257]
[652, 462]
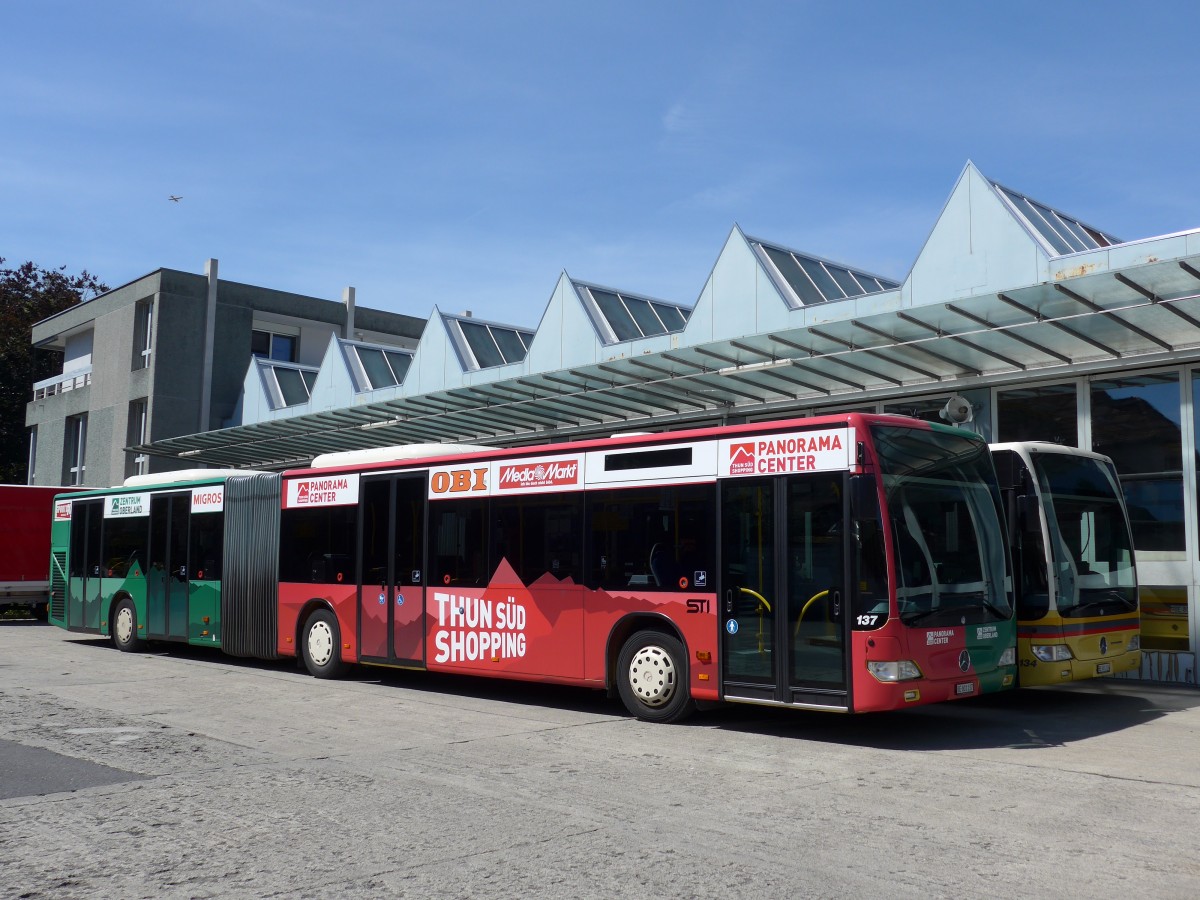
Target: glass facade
[1136, 421]
[1042, 413]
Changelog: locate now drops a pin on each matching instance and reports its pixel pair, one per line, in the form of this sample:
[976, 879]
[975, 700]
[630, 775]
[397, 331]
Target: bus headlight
[894, 670]
[1135, 642]
[1051, 652]
[1008, 657]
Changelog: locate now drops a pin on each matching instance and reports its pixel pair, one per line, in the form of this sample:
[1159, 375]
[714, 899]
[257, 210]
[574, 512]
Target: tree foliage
[29, 294]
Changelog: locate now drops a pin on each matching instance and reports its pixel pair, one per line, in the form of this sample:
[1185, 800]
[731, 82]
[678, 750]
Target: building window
[289, 385]
[270, 345]
[143, 339]
[136, 434]
[74, 469]
[32, 478]
[381, 367]
[1136, 422]
[1044, 413]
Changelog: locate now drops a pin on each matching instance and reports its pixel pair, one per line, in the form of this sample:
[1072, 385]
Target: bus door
[783, 567]
[83, 589]
[167, 583]
[391, 592]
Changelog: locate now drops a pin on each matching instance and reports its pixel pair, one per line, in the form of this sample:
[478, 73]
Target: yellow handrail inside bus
[762, 604]
[756, 595]
[811, 600]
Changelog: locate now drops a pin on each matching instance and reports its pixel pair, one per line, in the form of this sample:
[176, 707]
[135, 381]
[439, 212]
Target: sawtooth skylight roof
[620, 316]
[287, 385]
[487, 344]
[815, 280]
[378, 366]
[1064, 234]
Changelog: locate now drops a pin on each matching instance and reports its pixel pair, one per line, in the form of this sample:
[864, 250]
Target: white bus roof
[392, 454]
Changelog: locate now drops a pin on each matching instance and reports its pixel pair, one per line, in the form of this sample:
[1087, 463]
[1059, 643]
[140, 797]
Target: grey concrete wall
[178, 366]
[172, 383]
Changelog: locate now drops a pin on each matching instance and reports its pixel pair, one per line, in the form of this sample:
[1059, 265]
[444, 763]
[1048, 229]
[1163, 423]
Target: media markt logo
[741, 459]
[535, 475]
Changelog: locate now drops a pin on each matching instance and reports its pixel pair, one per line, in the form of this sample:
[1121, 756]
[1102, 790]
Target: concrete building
[166, 355]
[1048, 327]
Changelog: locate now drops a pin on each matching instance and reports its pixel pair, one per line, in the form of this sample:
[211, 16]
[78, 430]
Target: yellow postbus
[1073, 563]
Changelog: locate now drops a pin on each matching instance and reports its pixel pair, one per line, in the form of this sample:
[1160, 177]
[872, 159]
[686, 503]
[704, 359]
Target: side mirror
[1029, 514]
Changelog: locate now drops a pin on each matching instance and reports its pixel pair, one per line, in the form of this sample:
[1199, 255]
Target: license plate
[968, 688]
[1103, 668]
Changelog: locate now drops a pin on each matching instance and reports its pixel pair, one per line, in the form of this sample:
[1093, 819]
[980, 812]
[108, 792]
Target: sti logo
[741, 459]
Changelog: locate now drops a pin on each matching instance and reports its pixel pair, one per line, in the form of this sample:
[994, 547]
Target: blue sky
[464, 154]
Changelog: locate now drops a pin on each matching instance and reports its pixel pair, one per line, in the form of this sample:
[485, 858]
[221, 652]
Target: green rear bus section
[193, 575]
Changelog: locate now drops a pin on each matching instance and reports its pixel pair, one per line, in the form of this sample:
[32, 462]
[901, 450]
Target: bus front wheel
[652, 678]
[124, 627]
[321, 645]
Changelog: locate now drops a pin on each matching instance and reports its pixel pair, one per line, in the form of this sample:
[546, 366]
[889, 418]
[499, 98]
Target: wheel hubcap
[652, 676]
[320, 643]
[124, 624]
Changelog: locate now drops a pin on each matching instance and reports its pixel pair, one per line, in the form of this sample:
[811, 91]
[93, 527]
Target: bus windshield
[1090, 546]
[943, 506]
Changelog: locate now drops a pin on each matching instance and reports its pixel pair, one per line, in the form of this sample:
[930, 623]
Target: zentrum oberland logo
[741, 459]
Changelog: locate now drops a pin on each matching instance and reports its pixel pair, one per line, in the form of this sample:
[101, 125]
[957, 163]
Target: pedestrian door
[783, 567]
[167, 578]
[391, 592]
[84, 566]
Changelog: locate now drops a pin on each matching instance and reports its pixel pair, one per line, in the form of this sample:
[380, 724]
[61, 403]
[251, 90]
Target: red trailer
[26, 512]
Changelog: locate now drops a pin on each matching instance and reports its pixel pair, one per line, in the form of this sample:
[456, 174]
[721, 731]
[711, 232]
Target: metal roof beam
[676, 388]
[1003, 330]
[782, 376]
[720, 385]
[913, 345]
[1112, 316]
[682, 362]
[728, 360]
[607, 400]
[642, 364]
[849, 345]
[811, 355]
[1038, 317]
[747, 348]
[1169, 306]
[752, 382]
[1183, 264]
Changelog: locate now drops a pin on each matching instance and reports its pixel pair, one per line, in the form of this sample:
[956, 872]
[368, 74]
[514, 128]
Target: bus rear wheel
[124, 627]
[652, 678]
[321, 645]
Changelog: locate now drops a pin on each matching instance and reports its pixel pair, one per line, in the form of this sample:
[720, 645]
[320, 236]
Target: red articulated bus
[848, 563]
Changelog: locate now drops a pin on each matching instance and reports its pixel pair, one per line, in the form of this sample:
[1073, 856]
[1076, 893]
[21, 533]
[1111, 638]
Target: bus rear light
[1051, 652]
[893, 670]
[1008, 657]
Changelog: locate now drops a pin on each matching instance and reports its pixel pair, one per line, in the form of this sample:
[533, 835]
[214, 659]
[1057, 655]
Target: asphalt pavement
[185, 773]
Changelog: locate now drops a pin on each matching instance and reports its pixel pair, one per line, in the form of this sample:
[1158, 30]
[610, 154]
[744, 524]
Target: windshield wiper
[914, 617]
[1108, 599]
[982, 602]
